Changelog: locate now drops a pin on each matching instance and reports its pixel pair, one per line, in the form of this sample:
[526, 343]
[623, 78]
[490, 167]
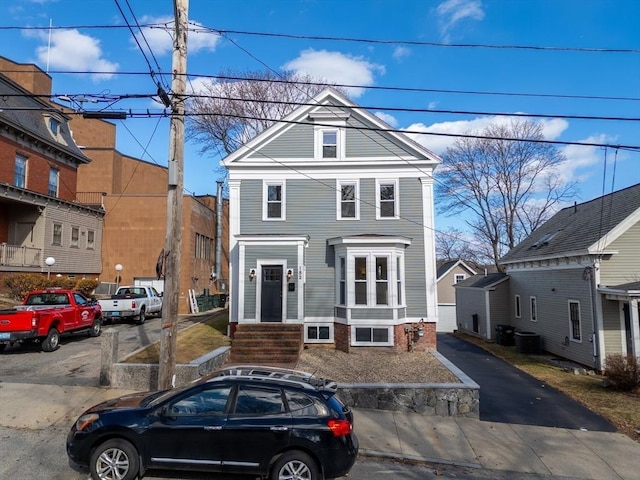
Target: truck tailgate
[12, 320]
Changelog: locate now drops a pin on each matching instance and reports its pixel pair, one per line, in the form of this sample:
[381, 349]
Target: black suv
[267, 421]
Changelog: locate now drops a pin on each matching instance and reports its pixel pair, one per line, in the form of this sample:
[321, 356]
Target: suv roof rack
[262, 372]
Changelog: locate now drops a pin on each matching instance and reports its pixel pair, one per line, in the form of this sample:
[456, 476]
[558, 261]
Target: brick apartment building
[40, 217]
[133, 195]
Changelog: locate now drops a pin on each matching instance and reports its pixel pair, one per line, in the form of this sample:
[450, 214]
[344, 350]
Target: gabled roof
[322, 110]
[449, 265]
[485, 282]
[585, 228]
[21, 111]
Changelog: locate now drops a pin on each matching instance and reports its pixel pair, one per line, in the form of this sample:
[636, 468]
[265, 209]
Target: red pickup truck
[46, 314]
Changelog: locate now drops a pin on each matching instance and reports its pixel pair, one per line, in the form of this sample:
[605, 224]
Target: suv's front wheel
[115, 459]
[294, 465]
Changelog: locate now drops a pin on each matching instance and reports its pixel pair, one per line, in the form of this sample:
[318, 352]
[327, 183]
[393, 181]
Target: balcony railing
[19, 256]
[93, 199]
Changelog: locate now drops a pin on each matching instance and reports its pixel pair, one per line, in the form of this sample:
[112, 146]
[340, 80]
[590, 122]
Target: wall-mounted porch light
[252, 274]
[289, 273]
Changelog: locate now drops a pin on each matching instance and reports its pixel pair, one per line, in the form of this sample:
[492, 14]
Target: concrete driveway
[508, 395]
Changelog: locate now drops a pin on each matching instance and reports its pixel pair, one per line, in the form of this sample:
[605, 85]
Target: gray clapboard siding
[311, 210]
[624, 266]
[361, 142]
[553, 293]
[295, 142]
[612, 328]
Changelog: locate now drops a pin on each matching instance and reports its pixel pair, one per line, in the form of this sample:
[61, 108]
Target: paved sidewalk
[498, 446]
[461, 442]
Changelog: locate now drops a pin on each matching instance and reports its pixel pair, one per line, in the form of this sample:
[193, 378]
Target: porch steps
[267, 343]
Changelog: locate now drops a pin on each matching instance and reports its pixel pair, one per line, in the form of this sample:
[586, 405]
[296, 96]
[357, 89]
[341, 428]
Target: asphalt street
[508, 395]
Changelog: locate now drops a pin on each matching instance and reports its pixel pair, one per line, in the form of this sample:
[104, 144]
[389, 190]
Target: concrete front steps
[266, 343]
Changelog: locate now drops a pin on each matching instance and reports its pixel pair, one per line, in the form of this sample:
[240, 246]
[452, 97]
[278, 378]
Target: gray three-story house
[332, 229]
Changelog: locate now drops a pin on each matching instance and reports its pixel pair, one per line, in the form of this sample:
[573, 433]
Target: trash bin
[527, 342]
[216, 300]
[223, 300]
[504, 335]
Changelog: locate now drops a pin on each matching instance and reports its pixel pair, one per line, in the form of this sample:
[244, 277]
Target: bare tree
[453, 244]
[505, 181]
[224, 115]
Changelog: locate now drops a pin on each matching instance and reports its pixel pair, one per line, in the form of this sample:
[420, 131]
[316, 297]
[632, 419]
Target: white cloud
[74, 51]
[451, 12]
[551, 129]
[582, 159]
[335, 67]
[161, 39]
[385, 117]
[401, 52]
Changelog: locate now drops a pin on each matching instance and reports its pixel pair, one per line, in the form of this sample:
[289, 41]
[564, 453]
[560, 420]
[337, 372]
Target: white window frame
[517, 306]
[459, 277]
[54, 173]
[318, 325]
[356, 343]
[339, 185]
[342, 281]
[91, 239]
[265, 200]
[75, 241]
[533, 309]
[395, 279]
[53, 238]
[396, 204]
[571, 337]
[319, 143]
[20, 159]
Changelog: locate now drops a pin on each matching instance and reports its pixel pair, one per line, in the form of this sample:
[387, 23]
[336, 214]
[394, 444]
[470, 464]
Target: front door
[271, 294]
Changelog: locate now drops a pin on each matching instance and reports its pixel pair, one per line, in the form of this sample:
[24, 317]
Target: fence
[19, 256]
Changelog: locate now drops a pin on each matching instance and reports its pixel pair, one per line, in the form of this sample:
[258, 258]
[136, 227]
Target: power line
[115, 98]
[352, 85]
[293, 36]
[149, 114]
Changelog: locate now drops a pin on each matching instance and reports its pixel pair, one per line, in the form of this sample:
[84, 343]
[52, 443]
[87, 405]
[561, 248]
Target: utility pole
[173, 243]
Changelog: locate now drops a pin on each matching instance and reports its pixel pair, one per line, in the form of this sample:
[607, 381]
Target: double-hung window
[75, 236]
[574, 318]
[91, 239]
[53, 182]
[387, 199]
[517, 306]
[20, 172]
[348, 203]
[330, 144]
[274, 201]
[57, 234]
[533, 309]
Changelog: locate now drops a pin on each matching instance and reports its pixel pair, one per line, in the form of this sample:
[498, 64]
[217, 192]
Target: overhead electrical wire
[352, 85]
[195, 27]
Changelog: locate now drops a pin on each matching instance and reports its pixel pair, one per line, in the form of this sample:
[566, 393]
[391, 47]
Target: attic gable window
[329, 143]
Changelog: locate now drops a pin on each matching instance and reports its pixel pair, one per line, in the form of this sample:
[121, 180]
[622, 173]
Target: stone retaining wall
[446, 400]
[441, 399]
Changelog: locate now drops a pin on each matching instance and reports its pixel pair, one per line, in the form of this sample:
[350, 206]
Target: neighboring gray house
[332, 228]
[482, 303]
[576, 279]
[449, 273]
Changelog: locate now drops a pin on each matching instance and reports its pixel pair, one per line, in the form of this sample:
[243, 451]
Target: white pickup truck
[132, 302]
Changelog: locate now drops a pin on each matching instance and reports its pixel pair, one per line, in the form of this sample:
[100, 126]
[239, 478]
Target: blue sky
[573, 26]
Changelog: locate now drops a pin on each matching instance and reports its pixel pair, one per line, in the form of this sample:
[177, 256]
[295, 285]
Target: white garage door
[446, 318]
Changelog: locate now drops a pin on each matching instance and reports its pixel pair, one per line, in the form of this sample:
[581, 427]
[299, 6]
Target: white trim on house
[571, 336]
[265, 200]
[460, 262]
[431, 270]
[396, 198]
[339, 183]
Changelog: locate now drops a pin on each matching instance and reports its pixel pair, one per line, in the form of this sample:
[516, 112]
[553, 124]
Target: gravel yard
[369, 366]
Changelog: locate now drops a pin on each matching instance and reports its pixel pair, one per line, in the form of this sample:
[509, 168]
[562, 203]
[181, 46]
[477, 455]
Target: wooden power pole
[173, 243]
